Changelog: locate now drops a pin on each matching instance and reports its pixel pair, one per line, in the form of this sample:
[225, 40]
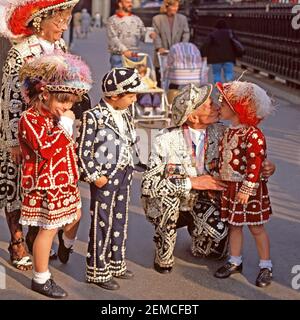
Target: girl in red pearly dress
[242, 152]
[51, 199]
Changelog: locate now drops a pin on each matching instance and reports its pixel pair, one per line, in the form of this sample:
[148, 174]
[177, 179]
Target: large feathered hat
[249, 101]
[57, 73]
[16, 15]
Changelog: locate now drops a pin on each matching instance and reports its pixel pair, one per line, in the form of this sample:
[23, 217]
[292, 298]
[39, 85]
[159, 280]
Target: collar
[113, 110]
[48, 47]
[196, 134]
[122, 14]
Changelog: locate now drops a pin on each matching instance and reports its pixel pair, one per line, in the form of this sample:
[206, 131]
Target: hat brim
[138, 89]
[197, 105]
[64, 5]
[68, 89]
[220, 87]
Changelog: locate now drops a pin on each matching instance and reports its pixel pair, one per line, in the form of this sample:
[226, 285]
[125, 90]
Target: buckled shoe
[227, 270]
[264, 277]
[49, 289]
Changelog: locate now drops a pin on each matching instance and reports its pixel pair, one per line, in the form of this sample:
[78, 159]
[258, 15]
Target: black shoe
[127, 275]
[227, 270]
[63, 252]
[264, 278]
[108, 285]
[163, 270]
[49, 289]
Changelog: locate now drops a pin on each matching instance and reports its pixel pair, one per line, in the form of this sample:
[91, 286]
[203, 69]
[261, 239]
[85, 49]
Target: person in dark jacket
[219, 51]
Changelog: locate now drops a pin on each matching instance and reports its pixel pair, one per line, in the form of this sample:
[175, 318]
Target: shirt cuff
[188, 185]
[67, 124]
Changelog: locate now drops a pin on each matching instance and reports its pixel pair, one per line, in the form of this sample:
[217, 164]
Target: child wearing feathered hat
[35, 27]
[242, 152]
[51, 200]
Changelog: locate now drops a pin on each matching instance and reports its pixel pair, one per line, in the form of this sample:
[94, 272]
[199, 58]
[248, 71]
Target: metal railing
[272, 43]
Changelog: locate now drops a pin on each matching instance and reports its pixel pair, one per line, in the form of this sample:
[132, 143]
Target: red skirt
[50, 209]
[256, 211]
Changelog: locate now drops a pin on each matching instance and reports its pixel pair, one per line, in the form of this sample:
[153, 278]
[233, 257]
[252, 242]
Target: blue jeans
[149, 100]
[227, 68]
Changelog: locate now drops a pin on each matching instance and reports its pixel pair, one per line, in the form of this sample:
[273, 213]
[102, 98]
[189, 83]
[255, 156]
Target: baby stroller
[182, 65]
[139, 114]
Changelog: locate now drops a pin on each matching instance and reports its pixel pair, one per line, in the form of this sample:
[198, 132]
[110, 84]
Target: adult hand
[16, 154]
[242, 198]
[101, 182]
[153, 35]
[127, 53]
[268, 168]
[207, 182]
[70, 114]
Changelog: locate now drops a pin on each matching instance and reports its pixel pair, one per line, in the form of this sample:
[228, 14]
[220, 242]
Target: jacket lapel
[211, 155]
[131, 130]
[34, 46]
[108, 118]
[109, 121]
[167, 29]
[174, 30]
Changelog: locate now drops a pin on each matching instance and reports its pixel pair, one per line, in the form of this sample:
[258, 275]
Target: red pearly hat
[15, 15]
[250, 102]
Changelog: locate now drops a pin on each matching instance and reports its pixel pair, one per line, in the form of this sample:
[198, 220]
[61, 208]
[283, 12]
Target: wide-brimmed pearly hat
[16, 15]
[189, 99]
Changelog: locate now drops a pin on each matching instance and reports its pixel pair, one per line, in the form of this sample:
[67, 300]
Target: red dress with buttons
[49, 172]
[242, 152]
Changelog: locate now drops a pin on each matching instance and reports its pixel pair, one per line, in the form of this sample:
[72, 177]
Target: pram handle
[142, 54]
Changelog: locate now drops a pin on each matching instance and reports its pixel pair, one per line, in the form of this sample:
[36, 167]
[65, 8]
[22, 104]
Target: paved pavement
[192, 278]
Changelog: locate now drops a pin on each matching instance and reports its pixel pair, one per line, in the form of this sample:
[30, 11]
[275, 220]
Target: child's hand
[242, 198]
[69, 113]
[101, 182]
